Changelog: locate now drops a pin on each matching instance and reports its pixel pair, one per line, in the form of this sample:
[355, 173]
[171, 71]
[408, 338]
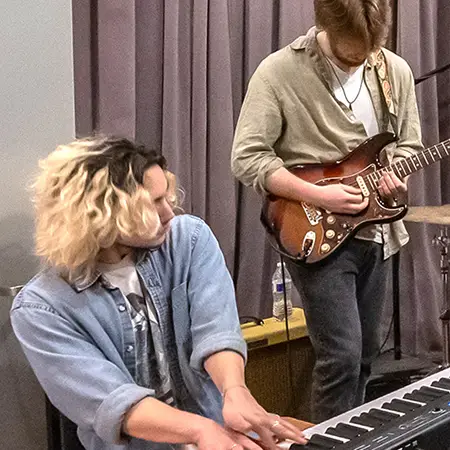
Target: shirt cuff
[109, 417]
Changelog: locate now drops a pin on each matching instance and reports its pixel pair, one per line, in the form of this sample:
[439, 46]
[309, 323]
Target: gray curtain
[173, 74]
[422, 39]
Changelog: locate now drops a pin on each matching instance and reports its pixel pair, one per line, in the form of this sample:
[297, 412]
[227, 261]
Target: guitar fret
[425, 157]
[409, 168]
[432, 155]
[400, 168]
[396, 170]
[403, 162]
[416, 161]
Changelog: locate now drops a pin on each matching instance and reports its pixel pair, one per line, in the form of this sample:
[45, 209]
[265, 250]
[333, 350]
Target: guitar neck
[418, 161]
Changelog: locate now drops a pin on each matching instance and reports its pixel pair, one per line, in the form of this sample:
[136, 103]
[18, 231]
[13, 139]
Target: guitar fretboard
[413, 163]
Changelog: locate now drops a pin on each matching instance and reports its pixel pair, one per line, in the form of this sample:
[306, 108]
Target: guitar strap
[378, 60]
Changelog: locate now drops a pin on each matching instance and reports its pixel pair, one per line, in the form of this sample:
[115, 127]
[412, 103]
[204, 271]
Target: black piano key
[305, 447]
[400, 405]
[346, 431]
[418, 396]
[435, 393]
[443, 383]
[366, 420]
[323, 441]
[384, 416]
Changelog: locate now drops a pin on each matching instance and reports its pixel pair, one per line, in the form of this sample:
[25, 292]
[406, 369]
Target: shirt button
[122, 308]
[129, 348]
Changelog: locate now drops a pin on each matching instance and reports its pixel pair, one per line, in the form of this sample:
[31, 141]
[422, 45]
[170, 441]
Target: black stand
[442, 241]
[396, 364]
[392, 371]
[396, 305]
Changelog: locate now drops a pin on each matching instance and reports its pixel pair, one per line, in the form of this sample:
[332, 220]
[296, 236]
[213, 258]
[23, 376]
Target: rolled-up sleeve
[214, 318]
[77, 377]
[259, 126]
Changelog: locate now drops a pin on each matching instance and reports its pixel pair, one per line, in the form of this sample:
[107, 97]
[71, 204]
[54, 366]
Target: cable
[288, 345]
[387, 335]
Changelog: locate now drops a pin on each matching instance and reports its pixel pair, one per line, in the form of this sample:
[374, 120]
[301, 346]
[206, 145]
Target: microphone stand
[427, 75]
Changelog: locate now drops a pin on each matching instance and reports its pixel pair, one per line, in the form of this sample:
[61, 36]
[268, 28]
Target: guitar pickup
[363, 186]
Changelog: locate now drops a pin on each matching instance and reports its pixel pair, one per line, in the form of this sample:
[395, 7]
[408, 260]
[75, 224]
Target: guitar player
[314, 101]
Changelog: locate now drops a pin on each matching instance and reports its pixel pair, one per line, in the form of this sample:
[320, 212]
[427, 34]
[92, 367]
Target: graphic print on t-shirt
[149, 349]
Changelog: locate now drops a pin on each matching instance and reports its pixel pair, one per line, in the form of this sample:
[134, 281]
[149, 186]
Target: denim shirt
[80, 342]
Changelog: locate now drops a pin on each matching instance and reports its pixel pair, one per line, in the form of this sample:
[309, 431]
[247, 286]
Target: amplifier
[268, 365]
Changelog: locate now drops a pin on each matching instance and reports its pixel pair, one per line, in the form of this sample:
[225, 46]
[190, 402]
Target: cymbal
[429, 214]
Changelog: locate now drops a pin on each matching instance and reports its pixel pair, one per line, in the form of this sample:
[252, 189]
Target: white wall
[36, 113]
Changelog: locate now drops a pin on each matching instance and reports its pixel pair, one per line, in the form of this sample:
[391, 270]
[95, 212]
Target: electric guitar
[307, 233]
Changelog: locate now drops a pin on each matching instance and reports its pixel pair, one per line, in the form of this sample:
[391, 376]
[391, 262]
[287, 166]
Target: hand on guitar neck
[392, 188]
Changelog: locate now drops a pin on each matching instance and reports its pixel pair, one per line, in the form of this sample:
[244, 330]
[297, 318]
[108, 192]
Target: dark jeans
[343, 299]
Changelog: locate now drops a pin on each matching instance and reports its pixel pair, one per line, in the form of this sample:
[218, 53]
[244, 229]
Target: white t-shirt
[354, 89]
[362, 107]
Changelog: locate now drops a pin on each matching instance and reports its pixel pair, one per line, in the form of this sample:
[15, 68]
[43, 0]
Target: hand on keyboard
[243, 413]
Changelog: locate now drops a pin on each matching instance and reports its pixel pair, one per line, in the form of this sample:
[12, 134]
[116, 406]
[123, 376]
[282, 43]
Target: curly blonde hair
[87, 194]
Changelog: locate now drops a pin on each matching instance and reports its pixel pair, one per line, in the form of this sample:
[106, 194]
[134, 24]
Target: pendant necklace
[350, 103]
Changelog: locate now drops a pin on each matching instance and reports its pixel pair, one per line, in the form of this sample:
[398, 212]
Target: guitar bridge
[313, 215]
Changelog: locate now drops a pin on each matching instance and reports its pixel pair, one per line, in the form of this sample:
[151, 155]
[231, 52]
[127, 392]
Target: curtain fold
[422, 38]
[173, 75]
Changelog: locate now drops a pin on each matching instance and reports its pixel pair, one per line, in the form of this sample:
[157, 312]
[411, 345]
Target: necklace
[350, 103]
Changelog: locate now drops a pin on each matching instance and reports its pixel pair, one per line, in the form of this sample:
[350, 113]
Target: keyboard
[416, 417]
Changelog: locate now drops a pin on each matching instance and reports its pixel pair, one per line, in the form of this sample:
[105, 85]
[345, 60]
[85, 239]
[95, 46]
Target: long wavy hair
[87, 194]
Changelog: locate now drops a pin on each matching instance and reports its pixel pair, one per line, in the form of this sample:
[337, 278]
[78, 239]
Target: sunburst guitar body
[307, 233]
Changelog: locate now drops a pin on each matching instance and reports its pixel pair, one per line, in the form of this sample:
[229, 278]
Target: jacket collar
[82, 285]
[309, 43]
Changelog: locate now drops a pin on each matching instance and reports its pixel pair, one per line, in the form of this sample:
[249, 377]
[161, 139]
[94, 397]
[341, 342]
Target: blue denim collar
[82, 285]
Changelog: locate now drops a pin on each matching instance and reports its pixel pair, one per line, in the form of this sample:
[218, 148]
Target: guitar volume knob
[330, 234]
[331, 220]
[325, 248]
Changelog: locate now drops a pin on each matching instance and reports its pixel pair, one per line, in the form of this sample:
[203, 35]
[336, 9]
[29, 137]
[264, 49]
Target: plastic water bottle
[278, 292]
